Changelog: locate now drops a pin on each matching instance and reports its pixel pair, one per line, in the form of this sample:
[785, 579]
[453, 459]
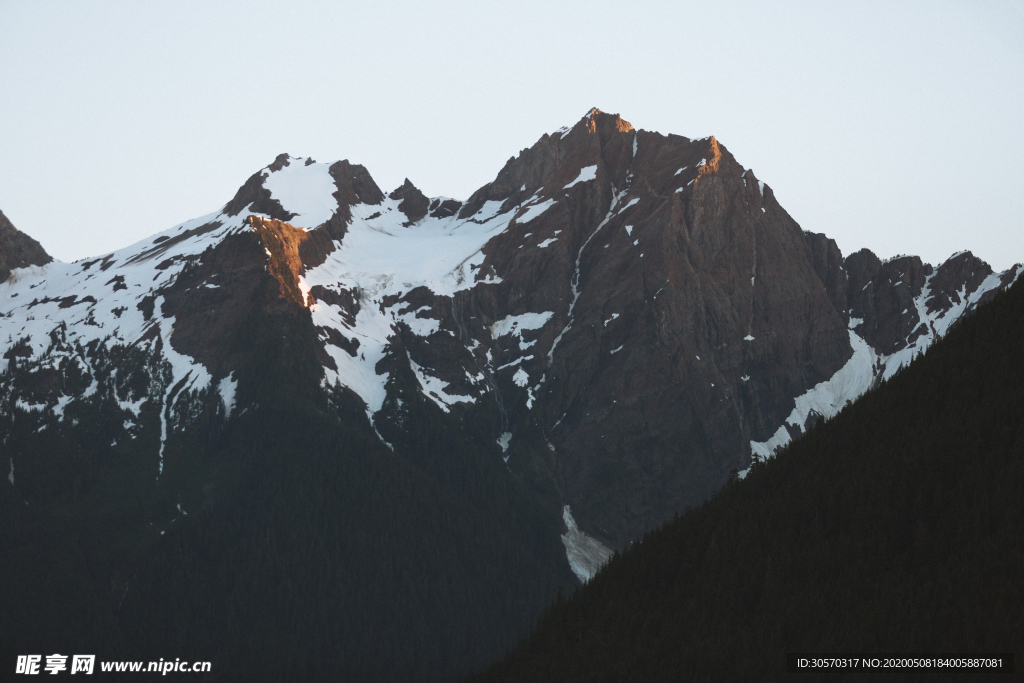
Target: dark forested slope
[897, 526]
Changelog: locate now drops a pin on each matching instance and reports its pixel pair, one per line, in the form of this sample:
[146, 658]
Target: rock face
[623, 318]
[18, 250]
[685, 312]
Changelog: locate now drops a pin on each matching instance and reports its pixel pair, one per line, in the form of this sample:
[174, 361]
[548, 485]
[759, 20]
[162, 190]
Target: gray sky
[892, 126]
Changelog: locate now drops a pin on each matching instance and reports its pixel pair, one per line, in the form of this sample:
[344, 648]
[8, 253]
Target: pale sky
[887, 125]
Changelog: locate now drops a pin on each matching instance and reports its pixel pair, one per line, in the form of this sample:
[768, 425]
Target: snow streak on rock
[866, 366]
[616, 196]
[227, 388]
[938, 322]
[827, 398]
[434, 389]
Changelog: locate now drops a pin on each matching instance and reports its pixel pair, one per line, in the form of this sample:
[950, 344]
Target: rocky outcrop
[882, 295]
[960, 276]
[283, 243]
[256, 198]
[18, 250]
[353, 186]
[414, 203]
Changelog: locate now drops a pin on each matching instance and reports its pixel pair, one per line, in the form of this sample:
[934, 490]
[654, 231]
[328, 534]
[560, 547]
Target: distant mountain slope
[895, 527]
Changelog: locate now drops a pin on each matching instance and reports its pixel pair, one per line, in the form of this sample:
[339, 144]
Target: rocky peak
[255, 197]
[606, 127]
[354, 186]
[555, 160]
[282, 160]
[18, 250]
[414, 203]
[960, 275]
[712, 160]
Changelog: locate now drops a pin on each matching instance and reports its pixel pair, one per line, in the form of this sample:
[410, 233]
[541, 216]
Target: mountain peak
[414, 203]
[598, 121]
[280, 161]
[18, 250]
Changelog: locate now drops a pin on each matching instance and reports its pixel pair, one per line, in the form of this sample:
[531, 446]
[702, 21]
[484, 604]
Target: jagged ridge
[638, 310]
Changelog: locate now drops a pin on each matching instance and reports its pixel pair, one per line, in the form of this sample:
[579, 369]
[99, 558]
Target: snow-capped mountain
[621, 317]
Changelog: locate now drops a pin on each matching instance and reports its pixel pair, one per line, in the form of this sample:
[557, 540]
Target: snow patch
[380, 259]
[516, 324]
[586, 555]
[829, 397]
[307, 191]
[503, 441]
[534, 211]
[587, 173]
[521, 379]
[227, 388]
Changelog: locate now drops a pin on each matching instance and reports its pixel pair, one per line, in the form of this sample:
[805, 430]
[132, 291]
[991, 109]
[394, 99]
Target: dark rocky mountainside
[587, 345]
[18, 250]
[637, 311]
[896, 527]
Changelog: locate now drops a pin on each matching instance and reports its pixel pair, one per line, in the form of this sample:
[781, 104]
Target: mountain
[485, 397]
[895, 527]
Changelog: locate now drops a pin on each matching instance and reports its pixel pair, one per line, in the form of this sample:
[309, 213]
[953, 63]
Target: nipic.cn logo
[55, 663]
